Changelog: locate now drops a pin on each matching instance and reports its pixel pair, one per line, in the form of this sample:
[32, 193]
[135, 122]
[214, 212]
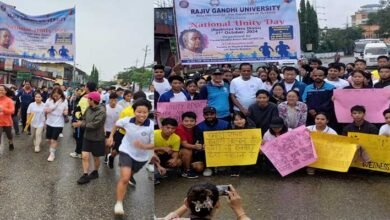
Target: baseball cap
[277, 122]
[95, 96]
[217, 72]
[209, 109]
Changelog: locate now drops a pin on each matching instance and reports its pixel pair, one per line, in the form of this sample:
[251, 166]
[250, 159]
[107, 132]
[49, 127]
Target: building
[63, 73]
[164, 37]
[360, 18]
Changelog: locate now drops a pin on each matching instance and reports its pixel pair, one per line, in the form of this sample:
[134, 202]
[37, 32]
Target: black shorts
[52, 133]
[117, 140]
[126, 161]
[95, 147]
[164, 159]
[198, 155]
[108, 134]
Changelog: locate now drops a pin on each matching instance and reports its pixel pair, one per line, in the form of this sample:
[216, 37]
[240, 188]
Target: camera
[223, 189]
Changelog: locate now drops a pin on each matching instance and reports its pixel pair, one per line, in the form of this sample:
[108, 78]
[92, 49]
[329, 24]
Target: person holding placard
[357, 78]
[359, 124]
[321, 124]
[385, 129]
[37, 111]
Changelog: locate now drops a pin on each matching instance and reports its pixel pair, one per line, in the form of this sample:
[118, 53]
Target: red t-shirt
[185, 134]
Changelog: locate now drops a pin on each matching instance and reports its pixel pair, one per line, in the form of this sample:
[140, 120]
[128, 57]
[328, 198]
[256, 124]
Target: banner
[44, 37]
[235, 31]
[374, 100]
[176, 109]
[334, 152]
[377, 148]
[291, 151]
[232, 147]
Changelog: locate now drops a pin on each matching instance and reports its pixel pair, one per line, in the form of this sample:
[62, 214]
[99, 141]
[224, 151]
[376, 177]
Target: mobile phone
[223, 189]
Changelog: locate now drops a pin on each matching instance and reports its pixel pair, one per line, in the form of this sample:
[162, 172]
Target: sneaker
[118, 209]
[61, 135]
[207, 172]
[310, 171]
[75, 155]
[132, 181]
[106, 159]
[93, 175]
[51, 157]
[37, 149]
[110, 161]
[150, 168]
[189, 174]
[83, 179]
[11, 147]
[156, 182]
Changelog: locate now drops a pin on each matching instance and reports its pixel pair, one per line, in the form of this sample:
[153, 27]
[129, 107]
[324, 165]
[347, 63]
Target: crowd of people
[272, 99]
[104, 124]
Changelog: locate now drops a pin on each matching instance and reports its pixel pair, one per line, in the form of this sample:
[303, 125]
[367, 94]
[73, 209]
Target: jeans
[15, 120]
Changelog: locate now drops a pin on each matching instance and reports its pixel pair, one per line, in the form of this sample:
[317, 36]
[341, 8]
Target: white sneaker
[75, 155]
[150, 168]
[51, 157]
[61, 135]
[118, 209]
[207, 172]
[37, 149]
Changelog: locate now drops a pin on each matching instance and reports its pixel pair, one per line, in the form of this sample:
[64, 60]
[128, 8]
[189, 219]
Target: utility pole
[136, 63]
[146, 50]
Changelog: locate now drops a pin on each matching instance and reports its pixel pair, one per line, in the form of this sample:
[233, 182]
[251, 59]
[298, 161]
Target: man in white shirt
[161, 85]
[385, 129]
[333, 76]
[243, 89]
[177, 93]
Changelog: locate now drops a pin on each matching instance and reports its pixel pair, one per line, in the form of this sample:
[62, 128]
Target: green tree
[381, 18]
[309, 28]
[141, 76]
[336, 39]
[94, 77]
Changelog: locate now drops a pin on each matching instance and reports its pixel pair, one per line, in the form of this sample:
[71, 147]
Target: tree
[381, 18]
[309, 28]
[336, 39]
[94, 77]
[141, 76]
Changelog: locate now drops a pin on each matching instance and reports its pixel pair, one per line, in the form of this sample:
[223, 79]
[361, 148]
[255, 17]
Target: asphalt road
[33, 188]
[326, 195]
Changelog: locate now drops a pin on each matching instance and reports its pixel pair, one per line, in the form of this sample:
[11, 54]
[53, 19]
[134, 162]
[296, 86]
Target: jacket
[93, 122]
[168, 95]
[298, 86]
[7, 109]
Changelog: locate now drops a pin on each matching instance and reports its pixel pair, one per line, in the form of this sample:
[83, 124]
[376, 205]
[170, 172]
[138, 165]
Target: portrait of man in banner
[192, 41]
[6, 40]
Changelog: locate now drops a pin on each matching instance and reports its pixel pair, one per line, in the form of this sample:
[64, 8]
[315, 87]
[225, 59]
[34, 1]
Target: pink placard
[291, 151]
[374, 100]
[176, 109]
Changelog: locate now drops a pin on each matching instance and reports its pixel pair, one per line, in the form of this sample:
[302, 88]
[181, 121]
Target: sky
[112, 34]
[336, 12]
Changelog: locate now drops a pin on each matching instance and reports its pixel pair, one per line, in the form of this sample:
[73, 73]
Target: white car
[372, 51]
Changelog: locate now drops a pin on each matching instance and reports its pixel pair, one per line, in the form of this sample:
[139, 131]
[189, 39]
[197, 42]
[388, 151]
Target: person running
[126, 101]
[55, 108]
[26, 96]
[112, 115]
[7, 108]
[133, 152]
[93, 141]
[36, 110]
[15, 117]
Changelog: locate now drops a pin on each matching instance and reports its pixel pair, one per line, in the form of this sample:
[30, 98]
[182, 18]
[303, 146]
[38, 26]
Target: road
[32, 188]
[326, 195]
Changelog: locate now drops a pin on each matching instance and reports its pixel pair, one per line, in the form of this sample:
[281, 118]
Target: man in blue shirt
[289, 81]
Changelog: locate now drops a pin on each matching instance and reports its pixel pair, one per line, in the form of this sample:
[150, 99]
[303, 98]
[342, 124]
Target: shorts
[126, 161]
[97, 148]
[117, 140]
[108, 134]
[198, 156]
[52, 133]
[164, 159]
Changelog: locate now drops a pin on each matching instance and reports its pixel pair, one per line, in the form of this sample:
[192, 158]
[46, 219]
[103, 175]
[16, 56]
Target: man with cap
[94, 136]
[210, 123]
[216, 92]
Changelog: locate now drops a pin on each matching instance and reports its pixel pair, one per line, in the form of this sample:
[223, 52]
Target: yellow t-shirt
[173, 141]
[126, 112]
[375, 75]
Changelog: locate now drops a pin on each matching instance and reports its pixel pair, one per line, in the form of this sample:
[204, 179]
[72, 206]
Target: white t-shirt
[38, 120]
[178, 97]
[245, 90]
[327, 130]
[56, 117]
[112, 115]
[288, 86]
[143, 133]
[385, 130]
[162, 87]
[339, 84]
[123, 103]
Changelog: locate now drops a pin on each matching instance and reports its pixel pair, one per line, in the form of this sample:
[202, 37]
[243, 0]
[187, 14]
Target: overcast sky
[337, 11]
[109, 33]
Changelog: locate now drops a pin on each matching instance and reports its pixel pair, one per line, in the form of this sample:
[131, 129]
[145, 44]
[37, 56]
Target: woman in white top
[126, 101]
[37, 109]
[321, 124]
[56, 107]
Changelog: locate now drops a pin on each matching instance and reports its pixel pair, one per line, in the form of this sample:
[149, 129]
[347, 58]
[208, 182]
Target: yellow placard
[377, 148]
[334, 152]
[30, 117]
[232, 147]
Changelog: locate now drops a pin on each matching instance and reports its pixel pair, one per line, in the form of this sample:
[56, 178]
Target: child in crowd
[113, 109]
[359, 124]
[321, 124]
[36, 110]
